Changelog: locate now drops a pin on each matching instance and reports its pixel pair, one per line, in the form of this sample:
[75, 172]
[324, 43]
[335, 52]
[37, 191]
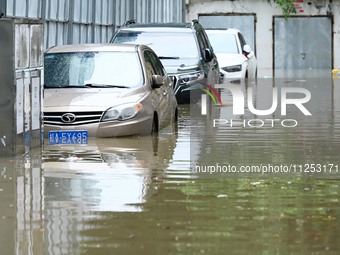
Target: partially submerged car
[184, 50]
[105, 90]
[235, 56]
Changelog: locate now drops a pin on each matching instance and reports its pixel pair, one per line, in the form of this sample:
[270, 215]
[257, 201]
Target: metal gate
[303, 43]
[85, 21]
[243, 22]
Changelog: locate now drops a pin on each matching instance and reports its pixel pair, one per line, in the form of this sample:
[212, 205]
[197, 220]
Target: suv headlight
[190, 77]
[123, 112]
[232, 69]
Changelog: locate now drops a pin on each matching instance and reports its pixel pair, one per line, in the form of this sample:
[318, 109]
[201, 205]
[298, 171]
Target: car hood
[175, 66]
[89, 99]
[229, 59]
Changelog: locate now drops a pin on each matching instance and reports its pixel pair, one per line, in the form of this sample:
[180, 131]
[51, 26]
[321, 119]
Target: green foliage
[287, 6]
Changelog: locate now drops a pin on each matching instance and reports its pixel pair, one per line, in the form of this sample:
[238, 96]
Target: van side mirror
[157, 81]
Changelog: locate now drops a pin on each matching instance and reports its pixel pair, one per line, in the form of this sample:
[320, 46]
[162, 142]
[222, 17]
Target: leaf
[287, 6]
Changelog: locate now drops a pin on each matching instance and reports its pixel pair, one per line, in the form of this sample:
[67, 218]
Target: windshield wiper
[164, 57]
[93, 85]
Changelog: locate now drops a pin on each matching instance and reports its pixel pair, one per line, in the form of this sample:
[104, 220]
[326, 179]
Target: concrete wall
[264, 21]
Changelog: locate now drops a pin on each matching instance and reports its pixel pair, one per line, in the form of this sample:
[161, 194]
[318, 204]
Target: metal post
[71, 22]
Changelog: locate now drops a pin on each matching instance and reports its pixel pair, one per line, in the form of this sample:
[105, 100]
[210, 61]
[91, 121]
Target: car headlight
[232, 69]
[123, 112]
[190, 78]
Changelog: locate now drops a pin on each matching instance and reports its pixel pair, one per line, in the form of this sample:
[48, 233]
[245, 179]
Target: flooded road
[143, 196]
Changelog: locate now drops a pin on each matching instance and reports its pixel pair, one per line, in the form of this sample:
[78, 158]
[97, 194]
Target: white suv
[235, 57]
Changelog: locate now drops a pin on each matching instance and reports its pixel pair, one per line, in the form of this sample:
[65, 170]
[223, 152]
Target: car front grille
[71, 118]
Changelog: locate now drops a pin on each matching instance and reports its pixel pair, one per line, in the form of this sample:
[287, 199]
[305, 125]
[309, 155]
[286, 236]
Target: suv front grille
[71, 118]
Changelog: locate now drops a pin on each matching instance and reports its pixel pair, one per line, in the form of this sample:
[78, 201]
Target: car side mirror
[157, 81]
[208, 55]
[247, 52]
[246, 49]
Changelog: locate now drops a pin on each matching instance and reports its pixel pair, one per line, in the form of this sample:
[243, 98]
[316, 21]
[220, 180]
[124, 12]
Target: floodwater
[143, 195]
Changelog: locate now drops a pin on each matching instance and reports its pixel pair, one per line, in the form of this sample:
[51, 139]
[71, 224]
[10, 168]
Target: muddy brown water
[141, 196]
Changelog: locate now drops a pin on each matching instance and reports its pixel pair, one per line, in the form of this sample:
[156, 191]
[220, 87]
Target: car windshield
[92, 69]
[167, 45]
[223, 43]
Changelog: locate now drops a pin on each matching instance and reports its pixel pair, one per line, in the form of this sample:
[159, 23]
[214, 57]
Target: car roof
[93, 47]
[157, 29]
[163, 27]
[223, 30]
[170, 25]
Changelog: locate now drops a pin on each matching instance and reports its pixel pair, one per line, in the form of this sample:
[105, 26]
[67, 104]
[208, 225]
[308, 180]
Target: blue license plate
[68, 137]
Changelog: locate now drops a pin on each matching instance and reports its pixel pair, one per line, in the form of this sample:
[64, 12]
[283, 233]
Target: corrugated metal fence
[82, 21]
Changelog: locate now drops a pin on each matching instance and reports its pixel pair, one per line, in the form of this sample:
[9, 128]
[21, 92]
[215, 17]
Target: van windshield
[165, 44]
[80, 69]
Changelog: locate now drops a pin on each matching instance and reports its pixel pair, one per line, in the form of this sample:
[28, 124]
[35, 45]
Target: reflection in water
[108, 175]
[138, 195]
[254, 140]
[21, 211]
[303, 73]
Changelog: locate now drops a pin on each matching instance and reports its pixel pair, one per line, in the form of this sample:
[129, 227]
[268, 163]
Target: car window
[201, 43]
[165, 44]
[81, 68]
[223, 43]
[152, 64]
[206, 40]
[156, 64]
[242, 40]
